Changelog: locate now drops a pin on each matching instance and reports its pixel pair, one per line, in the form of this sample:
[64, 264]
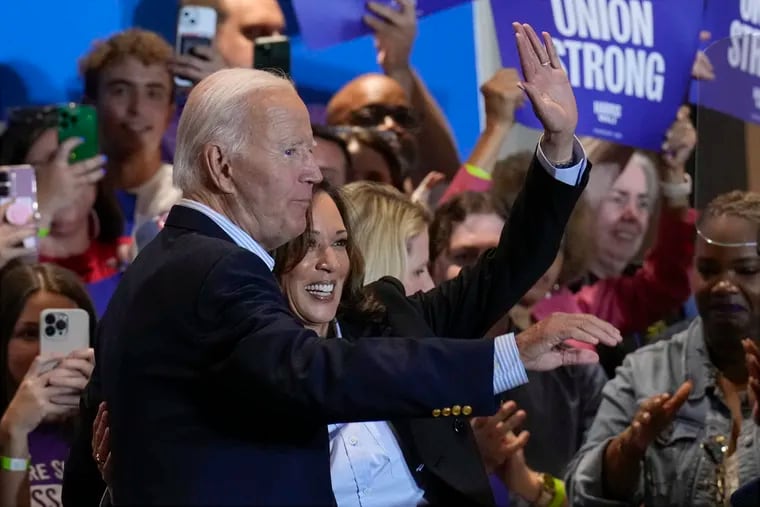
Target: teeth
[321, 289]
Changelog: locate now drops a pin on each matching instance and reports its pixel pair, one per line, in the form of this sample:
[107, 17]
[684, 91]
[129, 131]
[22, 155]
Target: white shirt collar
[238, 235]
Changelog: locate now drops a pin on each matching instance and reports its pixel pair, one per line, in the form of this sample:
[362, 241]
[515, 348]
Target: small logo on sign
[756, 97]
[607, 112]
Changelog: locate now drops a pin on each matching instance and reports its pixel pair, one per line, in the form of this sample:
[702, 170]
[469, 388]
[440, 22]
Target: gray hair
[218, 111]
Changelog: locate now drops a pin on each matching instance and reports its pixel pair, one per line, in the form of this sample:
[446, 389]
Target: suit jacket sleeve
[82, 483]
[268, 359]
[468, 305]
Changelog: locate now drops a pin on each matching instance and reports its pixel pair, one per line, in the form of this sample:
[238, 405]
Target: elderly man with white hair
[217, 395]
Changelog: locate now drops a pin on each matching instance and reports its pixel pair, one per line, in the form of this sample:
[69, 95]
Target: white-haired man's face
[274, 175]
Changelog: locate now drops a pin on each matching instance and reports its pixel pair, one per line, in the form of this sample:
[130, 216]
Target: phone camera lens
[60, 325]
[49, 319]
[192, 21]
[49, 330]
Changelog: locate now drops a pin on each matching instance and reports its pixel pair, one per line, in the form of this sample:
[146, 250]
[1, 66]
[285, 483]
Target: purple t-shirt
[48, 447]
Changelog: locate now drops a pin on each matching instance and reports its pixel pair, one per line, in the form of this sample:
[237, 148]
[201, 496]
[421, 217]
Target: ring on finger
[98, 459]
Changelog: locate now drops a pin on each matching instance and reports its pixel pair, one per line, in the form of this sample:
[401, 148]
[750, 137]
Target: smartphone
[196, 26]
[272, 53]
[79, 120]
[62, 331]
[18, 185]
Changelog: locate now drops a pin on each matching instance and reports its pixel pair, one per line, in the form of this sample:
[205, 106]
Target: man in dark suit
[217, 395]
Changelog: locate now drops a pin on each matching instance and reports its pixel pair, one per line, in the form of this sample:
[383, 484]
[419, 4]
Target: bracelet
[43, 232]
[552, 492]
[14, 464]
[677, 190]
[477, 172]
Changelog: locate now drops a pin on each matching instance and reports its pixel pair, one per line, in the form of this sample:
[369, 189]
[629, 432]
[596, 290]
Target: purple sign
[629, 63]
[735, 56]
[330, 22]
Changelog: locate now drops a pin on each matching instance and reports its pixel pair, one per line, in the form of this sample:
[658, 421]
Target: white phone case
[195, 25]
[63, 331]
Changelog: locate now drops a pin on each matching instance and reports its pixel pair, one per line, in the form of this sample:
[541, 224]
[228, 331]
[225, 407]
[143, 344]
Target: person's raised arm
[501, 97]
[470, 304]
[395, 32]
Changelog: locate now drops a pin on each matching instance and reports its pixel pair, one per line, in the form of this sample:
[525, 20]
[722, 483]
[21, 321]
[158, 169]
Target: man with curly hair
[127, 79]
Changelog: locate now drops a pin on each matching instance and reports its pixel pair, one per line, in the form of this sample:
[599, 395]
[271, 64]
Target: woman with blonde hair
[392, 233]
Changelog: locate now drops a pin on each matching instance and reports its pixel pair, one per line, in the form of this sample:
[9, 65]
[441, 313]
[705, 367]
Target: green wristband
[477, 172]
[14, 464]
[43, 232]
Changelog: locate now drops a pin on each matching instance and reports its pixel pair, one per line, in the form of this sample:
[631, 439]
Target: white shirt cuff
[568, 175]
[508, 369]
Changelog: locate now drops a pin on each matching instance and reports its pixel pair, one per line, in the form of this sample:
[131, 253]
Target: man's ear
[218, 168]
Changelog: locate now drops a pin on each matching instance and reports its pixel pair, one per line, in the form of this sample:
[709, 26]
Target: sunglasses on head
[375, 114]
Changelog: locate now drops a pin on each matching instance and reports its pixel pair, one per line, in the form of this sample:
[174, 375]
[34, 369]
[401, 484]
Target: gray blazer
[680, 468]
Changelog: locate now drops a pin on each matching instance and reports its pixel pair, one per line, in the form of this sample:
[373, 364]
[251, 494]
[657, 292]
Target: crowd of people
[289, 313]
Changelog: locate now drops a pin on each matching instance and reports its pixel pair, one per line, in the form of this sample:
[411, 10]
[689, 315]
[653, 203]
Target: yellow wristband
[477, 172]
[559, 493]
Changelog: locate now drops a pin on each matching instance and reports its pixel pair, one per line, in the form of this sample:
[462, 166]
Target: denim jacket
[681, 466]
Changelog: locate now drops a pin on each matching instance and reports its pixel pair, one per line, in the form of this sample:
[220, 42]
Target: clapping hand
[542, 346]
[491, 434]
[549, 91]
[654, 415]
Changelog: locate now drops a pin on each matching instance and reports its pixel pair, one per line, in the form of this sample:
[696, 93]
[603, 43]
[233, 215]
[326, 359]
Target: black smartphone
[272, 54]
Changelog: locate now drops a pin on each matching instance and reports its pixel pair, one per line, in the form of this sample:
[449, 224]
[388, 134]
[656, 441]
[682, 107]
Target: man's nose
[312, 173]
[726, 284]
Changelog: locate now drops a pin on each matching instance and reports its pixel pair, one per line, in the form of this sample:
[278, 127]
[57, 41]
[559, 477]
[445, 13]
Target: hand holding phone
[196, 58]
[61, 182]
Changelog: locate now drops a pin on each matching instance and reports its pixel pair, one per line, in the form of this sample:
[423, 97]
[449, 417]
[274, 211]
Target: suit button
[437, 412]
[456, 410]
[466, 410]
[459, 425]
[446, 412]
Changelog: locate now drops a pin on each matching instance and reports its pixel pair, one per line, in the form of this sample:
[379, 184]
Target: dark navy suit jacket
[217, 394]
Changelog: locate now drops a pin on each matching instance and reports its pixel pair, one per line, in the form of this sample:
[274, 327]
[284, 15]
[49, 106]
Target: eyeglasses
[374, 115]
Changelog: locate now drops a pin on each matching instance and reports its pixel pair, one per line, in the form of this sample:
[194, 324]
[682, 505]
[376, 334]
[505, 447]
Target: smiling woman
[322, 267]
[693, 445]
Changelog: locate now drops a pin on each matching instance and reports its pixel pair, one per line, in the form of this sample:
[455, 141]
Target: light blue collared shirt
[238, 235]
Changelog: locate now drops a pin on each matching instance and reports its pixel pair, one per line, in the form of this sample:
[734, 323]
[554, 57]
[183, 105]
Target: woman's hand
[59, 184]
[549, 91]
[491, 435]
[36, 400]
[11, 236]
[101, 443]
[73, 372]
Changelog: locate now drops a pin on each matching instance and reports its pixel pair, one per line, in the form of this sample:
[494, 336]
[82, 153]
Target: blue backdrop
[42, 40]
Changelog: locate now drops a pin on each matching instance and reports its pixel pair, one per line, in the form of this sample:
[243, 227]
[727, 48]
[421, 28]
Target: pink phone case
[18, 185]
